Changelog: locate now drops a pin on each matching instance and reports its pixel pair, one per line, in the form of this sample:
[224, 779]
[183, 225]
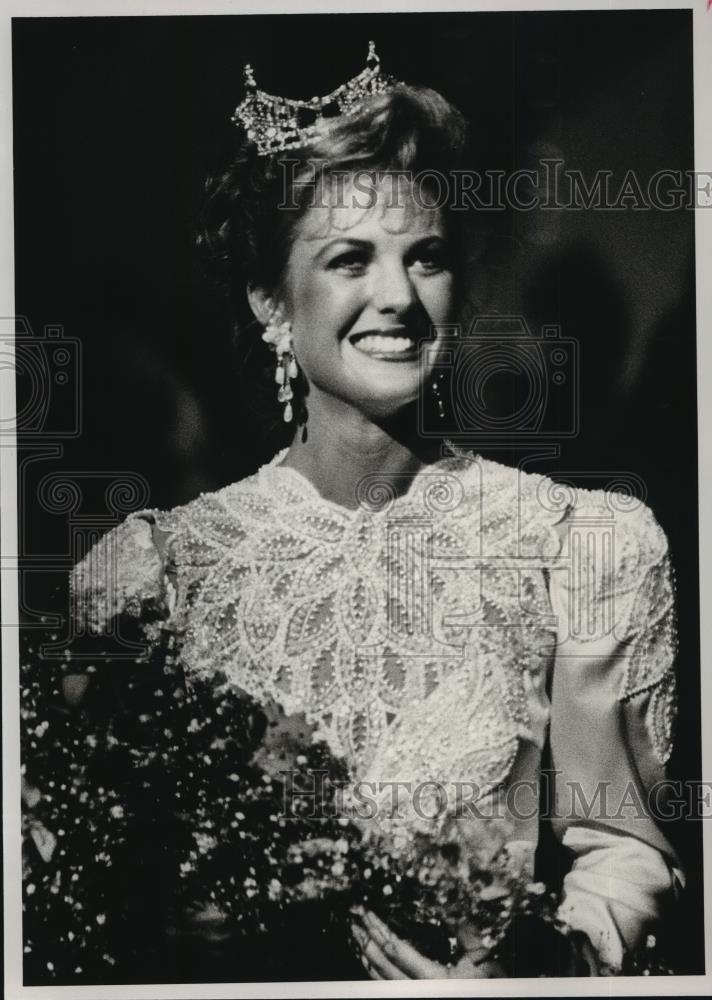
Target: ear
[262, 304]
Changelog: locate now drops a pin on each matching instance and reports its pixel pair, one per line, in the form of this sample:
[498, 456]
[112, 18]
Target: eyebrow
[350, 241]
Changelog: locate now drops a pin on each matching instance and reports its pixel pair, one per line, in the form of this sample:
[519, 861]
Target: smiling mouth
[390, 345]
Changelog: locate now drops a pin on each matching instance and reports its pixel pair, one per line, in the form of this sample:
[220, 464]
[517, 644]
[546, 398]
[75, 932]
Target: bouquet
[165, 813]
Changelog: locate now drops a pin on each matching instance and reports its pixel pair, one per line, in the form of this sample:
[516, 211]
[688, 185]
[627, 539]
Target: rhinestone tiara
[276, 124]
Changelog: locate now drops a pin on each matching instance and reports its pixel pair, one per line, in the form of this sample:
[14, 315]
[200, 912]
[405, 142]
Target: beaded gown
[482, 625]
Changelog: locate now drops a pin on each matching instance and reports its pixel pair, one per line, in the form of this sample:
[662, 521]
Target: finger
[401, 954]
[467, 969]
[370, 971]
[380, 963]
[373, 958]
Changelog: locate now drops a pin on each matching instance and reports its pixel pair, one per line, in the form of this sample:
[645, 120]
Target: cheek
[325, 309]
[438, 297]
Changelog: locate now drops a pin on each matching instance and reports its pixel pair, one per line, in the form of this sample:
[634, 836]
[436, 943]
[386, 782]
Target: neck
[342, 445]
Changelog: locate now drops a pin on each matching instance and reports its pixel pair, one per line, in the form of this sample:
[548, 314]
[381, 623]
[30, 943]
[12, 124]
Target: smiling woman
[428, 618]
[299, 233]
[366, 291]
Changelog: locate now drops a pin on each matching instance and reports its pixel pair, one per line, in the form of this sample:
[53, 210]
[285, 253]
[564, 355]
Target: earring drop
[438, 396]
[279, 337]
[285, 371]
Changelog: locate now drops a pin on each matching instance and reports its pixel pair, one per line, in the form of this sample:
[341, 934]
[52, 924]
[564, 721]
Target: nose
[392, 289]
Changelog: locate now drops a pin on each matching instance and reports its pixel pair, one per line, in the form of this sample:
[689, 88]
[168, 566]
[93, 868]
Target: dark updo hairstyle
[244, 236]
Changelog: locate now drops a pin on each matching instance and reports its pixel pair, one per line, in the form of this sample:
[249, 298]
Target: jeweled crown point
[276, 124]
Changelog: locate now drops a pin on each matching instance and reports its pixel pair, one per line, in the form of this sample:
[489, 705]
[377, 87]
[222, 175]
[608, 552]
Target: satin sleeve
[612, 719]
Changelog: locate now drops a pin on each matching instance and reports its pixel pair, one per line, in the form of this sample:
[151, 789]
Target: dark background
[116, 121]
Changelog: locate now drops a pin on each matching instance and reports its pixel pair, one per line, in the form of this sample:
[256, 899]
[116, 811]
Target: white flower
[400, 840]
[205, 843]
[494, 891]
[101, 918]
[538, 888]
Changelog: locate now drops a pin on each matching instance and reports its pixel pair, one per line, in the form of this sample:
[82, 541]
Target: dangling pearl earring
[437, 395]
[279, 337]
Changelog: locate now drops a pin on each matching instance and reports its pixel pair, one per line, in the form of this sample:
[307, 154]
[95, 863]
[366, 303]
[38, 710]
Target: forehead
[370, 207]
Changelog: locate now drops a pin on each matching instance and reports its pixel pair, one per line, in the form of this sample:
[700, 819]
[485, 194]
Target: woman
[515, 619]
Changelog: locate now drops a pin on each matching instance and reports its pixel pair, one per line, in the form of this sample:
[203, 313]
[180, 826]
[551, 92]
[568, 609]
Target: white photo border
[624, 986]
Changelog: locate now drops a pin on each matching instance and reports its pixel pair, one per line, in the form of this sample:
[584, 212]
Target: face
[364, 288]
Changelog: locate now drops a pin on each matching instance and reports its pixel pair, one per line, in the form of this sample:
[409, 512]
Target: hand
[385, 956]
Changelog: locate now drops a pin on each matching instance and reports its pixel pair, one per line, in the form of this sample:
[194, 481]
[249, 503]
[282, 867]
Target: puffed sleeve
[126, 573]
[612, 715]
[123, 573]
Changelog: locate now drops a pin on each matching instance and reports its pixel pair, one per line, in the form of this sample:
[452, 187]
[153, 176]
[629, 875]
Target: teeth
[376, 344]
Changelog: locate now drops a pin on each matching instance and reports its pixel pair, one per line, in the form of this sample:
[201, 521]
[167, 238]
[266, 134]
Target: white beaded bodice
[357, 617]
[350, 616]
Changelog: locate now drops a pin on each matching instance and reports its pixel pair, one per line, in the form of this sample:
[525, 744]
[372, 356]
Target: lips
[392, 344]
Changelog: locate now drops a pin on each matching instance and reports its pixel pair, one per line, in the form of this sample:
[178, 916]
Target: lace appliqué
[356, 616]
[653, 652]
[455, 746]
[621, 584]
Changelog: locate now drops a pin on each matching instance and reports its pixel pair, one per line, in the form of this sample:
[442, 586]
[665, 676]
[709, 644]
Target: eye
[430, 258]
[351, 262]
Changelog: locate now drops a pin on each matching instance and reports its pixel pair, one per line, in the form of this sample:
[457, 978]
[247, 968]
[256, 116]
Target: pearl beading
[297, 599]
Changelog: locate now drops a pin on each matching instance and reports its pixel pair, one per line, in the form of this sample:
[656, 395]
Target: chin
[380, 406]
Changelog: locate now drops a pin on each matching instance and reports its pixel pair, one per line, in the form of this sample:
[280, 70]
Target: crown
[275, 123]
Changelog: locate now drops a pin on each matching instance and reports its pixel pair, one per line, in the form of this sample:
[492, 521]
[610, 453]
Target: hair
[245, 237]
